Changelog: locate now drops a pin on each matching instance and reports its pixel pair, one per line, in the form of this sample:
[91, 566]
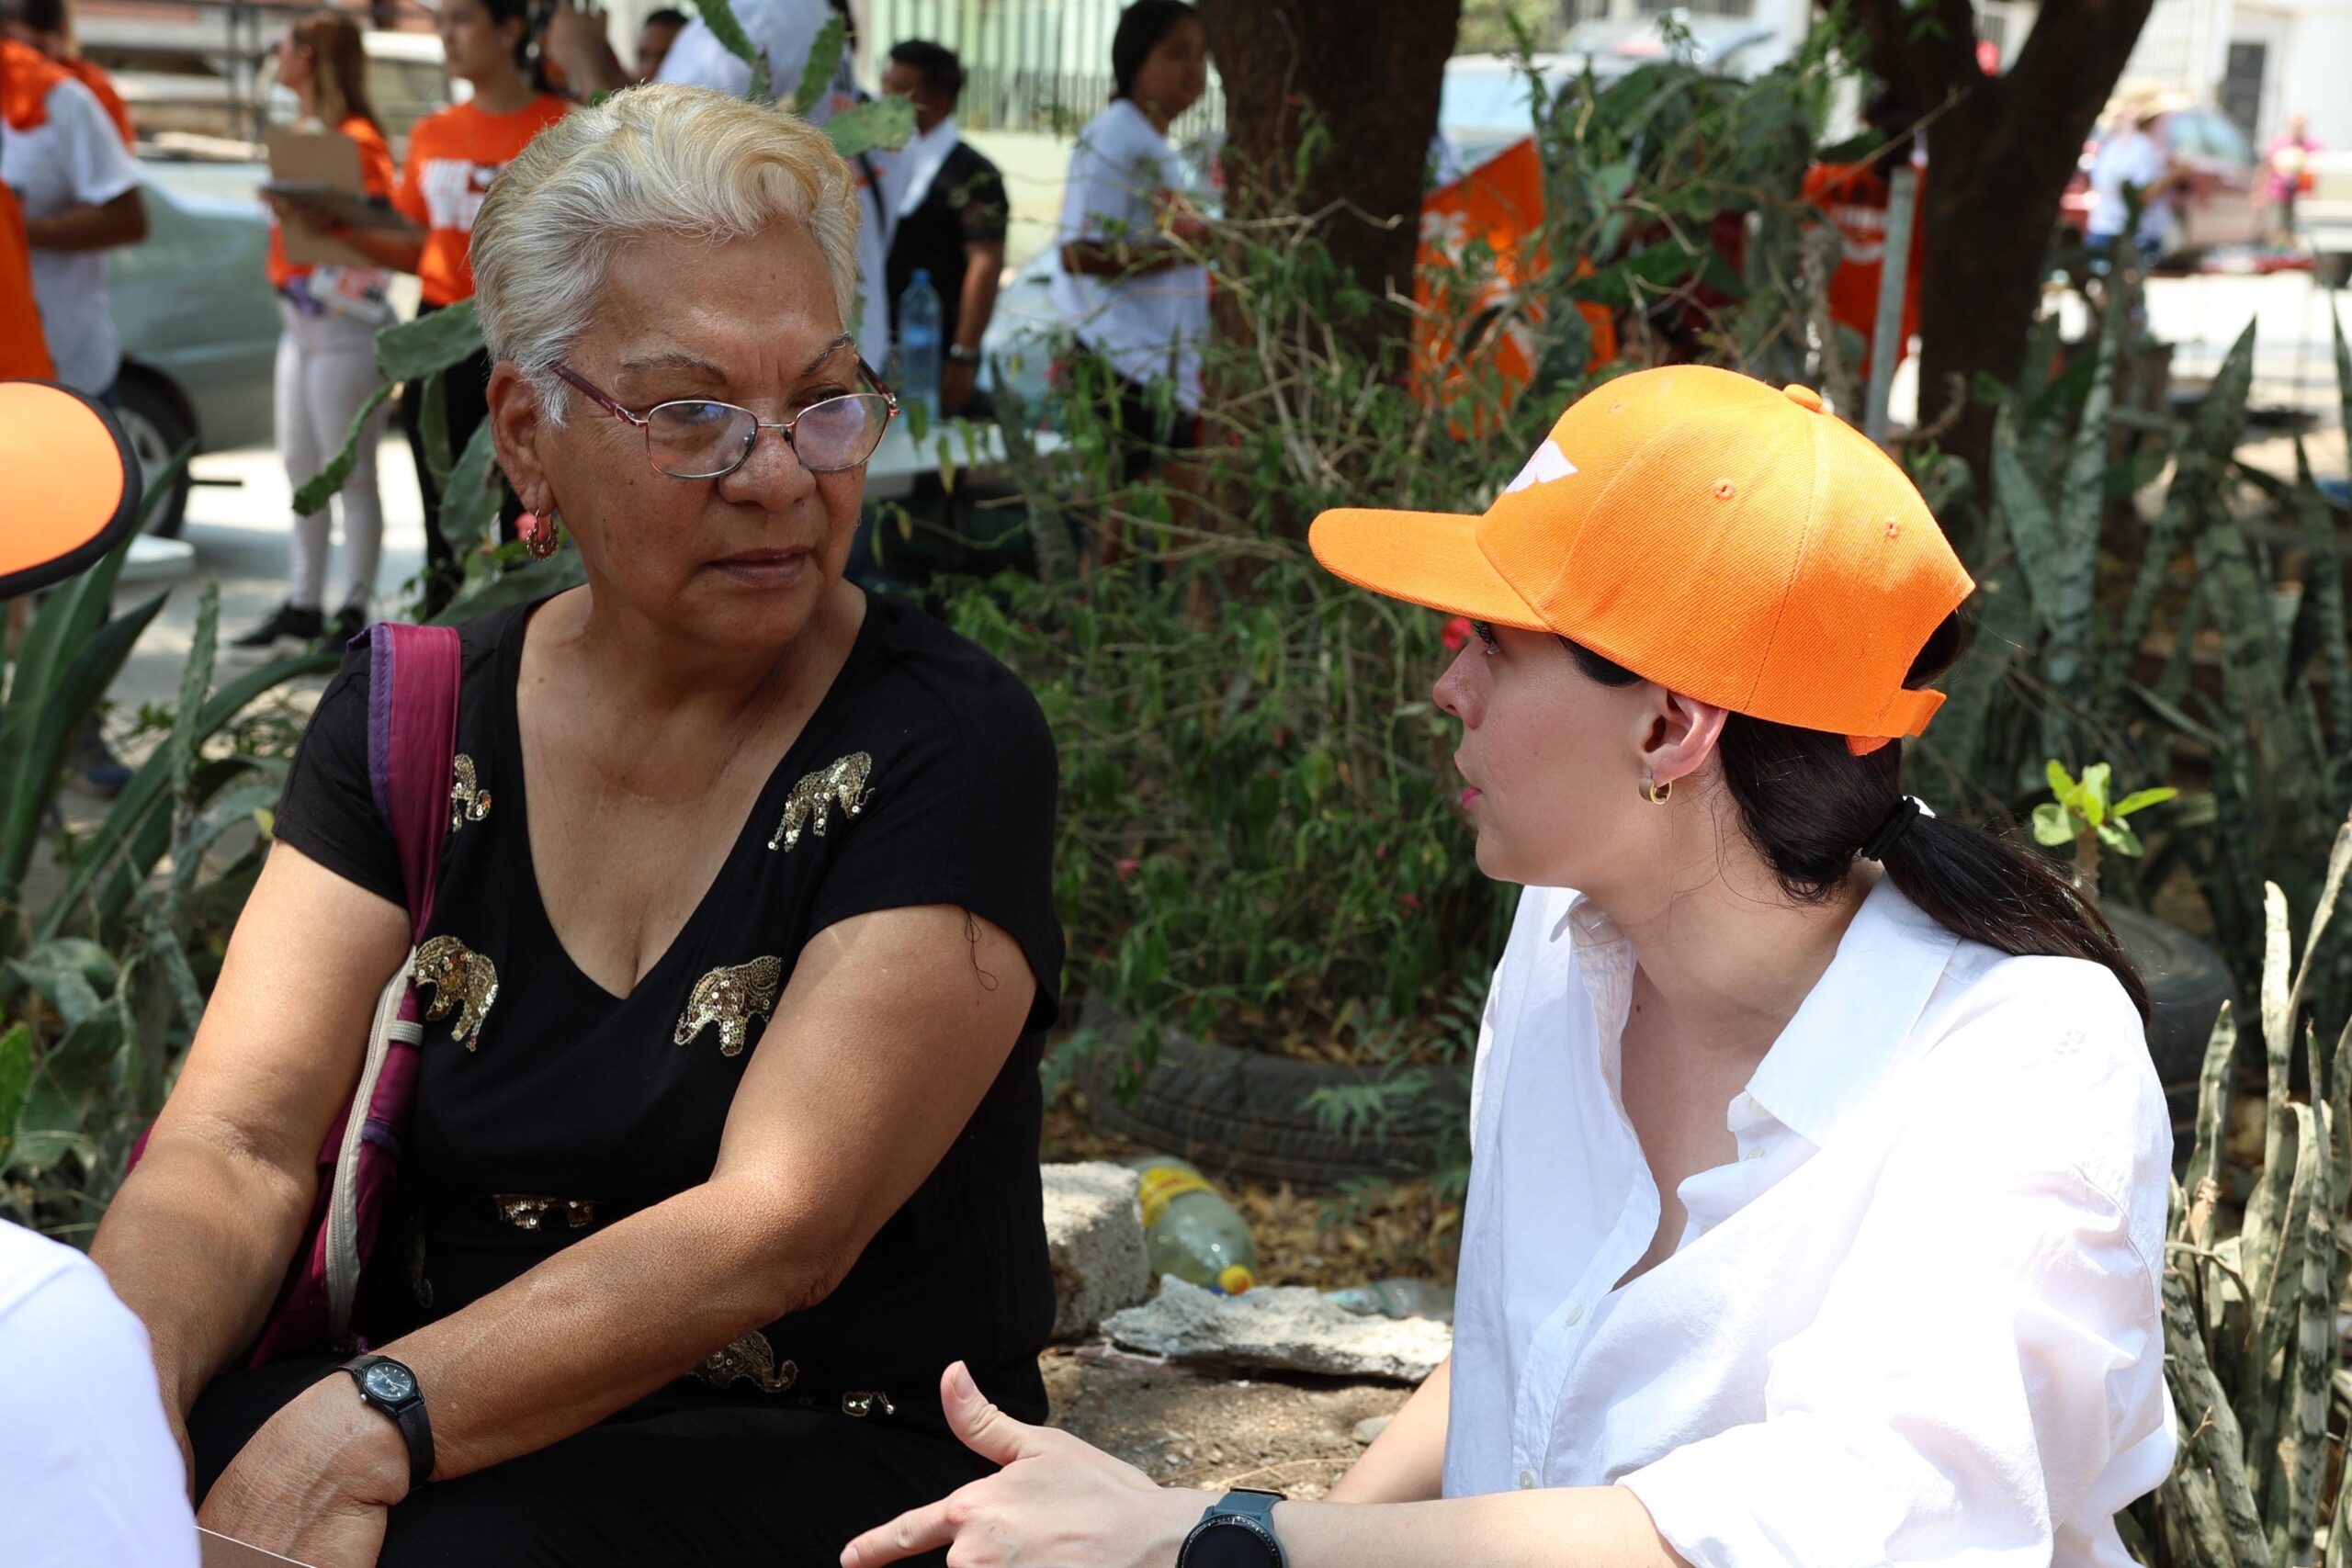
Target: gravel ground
[1184, 1428]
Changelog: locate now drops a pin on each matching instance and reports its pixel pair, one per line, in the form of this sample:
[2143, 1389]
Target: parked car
[1487, 100]
[2216, 207]
[196, 318]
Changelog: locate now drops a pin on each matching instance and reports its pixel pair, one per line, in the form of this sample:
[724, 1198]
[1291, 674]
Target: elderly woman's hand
[1057, 1502]
[316, 1482]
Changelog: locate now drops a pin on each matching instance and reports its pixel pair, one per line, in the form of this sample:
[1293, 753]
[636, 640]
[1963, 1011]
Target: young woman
[452, 157]
[1819, 1172]
[1136, 301]
[326, 353]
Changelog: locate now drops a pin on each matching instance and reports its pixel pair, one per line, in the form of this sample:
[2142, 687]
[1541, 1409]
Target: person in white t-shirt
[2133, 158]
[80, 193]
[89, 1474]
[1124, 277]
[1819, 1176]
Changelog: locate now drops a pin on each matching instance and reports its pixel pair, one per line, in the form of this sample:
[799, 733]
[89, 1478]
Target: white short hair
[686, 162]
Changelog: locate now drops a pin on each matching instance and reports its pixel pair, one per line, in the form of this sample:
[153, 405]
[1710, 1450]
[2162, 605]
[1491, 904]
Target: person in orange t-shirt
[24, 350]
[46, 25]
[452, 157]
[1855, 198]
[326, 358]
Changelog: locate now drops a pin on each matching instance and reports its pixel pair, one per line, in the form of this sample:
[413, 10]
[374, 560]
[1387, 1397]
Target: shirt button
[1576, 1315]
[1527, 1481]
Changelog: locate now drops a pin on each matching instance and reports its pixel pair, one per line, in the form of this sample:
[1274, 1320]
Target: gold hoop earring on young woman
[1656, 793]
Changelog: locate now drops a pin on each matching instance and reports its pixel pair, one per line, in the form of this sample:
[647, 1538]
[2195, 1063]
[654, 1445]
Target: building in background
[2256, 63]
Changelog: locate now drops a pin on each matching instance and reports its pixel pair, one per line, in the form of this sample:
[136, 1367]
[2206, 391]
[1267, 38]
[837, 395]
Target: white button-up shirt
[1915, 1320]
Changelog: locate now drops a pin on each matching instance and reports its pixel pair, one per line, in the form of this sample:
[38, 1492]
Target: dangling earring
[539, 532]
[1656, 793]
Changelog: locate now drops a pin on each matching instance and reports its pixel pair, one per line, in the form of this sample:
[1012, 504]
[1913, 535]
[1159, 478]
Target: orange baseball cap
[69, 486]
[1730, 542]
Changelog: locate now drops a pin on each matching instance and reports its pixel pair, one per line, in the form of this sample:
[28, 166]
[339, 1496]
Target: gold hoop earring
[1656, 793]
[539, 532]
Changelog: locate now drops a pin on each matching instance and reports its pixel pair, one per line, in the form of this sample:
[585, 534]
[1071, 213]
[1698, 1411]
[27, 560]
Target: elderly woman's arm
[197, 1241]
[893, 1027]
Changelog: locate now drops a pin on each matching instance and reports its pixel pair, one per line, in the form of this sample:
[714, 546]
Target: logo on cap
[1548, 464]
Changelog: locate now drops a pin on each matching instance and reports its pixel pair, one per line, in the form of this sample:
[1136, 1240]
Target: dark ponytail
[1808, 804]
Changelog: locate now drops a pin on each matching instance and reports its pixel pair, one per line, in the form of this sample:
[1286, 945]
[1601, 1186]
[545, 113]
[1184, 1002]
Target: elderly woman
[669, 1292]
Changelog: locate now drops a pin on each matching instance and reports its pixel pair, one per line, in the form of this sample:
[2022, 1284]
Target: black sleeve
[328, 811]
[960, 810]
[981, 206]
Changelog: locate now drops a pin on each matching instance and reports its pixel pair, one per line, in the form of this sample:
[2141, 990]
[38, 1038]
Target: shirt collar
[944, 136]
[1854, 1027]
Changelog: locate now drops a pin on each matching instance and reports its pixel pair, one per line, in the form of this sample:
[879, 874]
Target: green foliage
[2249, 1309]
[2080, 806]
[101, 979]
[1258, 836]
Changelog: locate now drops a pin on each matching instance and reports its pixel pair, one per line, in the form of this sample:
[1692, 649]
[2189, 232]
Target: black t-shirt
[566, 1107]
[964, 206]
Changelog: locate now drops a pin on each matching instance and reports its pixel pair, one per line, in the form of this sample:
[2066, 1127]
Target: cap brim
[71, 482]
[1422, 558]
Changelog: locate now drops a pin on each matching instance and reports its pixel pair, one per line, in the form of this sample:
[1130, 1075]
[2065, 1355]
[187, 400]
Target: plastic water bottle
[919, 334]
[1190, 1230]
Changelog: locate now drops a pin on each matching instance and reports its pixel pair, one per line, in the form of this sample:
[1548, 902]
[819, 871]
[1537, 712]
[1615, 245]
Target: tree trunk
[1370, 72]
[2000, 153]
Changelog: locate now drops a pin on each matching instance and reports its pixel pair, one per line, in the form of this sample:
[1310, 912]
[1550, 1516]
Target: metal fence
[1040, 65]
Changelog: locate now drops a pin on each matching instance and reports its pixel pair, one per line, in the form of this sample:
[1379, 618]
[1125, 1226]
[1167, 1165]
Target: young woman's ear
[1679, 734]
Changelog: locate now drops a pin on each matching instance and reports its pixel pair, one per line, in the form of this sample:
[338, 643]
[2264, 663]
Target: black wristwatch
[958, 355]
[391, 1388]
[1237, 1532]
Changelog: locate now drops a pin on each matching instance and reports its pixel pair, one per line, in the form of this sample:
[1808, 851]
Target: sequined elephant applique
[750, 1360]
[469, 802]
[809, 807]
[731, 998]
[461, 978]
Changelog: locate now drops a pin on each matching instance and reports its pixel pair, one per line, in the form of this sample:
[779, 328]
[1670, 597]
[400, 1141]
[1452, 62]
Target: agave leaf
[720, 18]
[885, 122]
[824, 59]
[470, 504]
[314, 492]
[409, 351]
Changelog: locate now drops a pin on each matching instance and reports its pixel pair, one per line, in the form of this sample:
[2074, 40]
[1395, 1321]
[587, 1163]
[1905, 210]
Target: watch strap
[958, 355]
[416, 1428]
[1243, 1509]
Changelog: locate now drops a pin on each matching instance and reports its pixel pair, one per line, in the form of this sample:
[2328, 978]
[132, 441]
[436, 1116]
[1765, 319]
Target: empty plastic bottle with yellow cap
[1190, 1230]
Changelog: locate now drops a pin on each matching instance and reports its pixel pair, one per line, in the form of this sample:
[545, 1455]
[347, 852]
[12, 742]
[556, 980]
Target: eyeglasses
[699, 438]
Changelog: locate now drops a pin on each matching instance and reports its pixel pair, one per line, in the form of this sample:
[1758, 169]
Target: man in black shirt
[951, 219]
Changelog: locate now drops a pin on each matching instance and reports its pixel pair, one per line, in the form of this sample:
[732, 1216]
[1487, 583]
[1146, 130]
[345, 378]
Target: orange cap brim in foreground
[69, 486]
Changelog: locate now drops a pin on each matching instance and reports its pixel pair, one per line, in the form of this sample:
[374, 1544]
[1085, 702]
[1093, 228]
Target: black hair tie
[1890, 832]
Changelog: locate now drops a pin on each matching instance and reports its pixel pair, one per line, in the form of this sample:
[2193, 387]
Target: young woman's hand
[1057, 1502]
[317, 1483]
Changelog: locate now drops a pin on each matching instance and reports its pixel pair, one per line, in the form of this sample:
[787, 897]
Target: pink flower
[1126, 868]
[1456, 635]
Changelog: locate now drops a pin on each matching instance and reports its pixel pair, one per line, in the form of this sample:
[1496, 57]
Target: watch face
[388, 1381]
[1230, 1544]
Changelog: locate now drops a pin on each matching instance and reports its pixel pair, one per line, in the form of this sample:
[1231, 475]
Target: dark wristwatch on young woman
[1237, 1532]
[391, 1388]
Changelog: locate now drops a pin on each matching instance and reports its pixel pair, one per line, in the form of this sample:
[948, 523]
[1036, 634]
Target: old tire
[1249, 1113]
[2186, 985]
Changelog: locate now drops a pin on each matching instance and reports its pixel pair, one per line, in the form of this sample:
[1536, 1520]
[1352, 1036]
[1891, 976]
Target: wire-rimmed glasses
[702, 438]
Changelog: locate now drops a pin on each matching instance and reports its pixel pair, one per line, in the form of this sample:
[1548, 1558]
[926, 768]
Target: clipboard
[324, 167]
[220, 1551]
[345, 207]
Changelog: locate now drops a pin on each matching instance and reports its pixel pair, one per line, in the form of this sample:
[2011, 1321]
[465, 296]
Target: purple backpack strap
[411, 746]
